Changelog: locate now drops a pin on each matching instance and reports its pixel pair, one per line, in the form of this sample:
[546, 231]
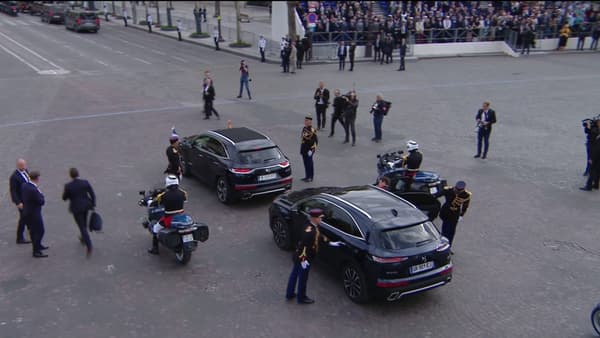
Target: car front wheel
[355, 284]
[281, 233]
[223, 191]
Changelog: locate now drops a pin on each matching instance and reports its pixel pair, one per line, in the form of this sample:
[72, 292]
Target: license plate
[188, 238]
[433, 190]
[267, 177]
[421, 267]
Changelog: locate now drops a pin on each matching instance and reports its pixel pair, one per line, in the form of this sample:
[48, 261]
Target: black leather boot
[154, 249]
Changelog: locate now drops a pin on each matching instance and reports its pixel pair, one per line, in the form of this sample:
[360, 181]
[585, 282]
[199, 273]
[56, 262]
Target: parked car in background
[82, 20]
[24, 6]
[9, 7]
[36, 7]
[389, 248]
[239, 162]
[53, 13]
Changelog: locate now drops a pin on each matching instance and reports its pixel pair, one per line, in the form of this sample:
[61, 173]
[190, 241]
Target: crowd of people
[448, 21]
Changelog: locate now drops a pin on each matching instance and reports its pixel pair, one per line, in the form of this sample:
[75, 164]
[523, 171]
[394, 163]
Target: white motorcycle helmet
[171, 180]
[412, 145]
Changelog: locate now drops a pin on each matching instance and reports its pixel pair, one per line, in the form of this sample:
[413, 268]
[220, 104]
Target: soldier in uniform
[174, 157]
[457, 203]
[172, 199]
[412, 162]
[307, 249]
[308, 147]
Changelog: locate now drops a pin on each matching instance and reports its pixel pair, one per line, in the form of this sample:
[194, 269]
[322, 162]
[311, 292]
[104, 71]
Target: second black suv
[239, 162]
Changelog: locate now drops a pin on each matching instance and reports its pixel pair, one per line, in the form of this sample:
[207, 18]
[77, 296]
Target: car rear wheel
[223, 191]
[281, 233]
[355, 284]
[183, 256]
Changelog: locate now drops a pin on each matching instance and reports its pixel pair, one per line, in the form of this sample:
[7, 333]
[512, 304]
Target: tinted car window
[87, 16]
[409, 237]
[199, 142]
[214, 146]
[341, 220]
[260, 156]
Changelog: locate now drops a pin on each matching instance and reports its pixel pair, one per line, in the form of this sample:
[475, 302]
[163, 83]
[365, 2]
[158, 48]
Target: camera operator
[590, 128]
[339, 103]
[350, 116]
[594, 162]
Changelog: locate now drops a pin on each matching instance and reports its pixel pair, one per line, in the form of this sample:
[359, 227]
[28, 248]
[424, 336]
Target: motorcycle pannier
[201, 234]
[169, 238]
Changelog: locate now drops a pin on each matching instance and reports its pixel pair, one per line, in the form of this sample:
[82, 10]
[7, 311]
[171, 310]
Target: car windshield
[88, 16]
[409, 237]
[260, 156]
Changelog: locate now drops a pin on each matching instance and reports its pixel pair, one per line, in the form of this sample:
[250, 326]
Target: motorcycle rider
[172, 199]
[412, 161]
[173, 155]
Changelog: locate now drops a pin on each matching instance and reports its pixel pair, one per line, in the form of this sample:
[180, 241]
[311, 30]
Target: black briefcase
[95, 223]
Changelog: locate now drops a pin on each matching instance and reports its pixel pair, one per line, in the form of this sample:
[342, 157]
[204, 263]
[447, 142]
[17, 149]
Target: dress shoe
[239, 96]
[585, 189]
[23, 241]
[249, 97]
[304, 179]
[44, 247]
[330, 135]
[88, 252]
[206, 118]
[290, 297]
[218, 117]
[345, 141]
[378, 140]
[483, 157]
[477, 156]
[306, 300]
[309, 180]
[353, 144]
[39, 255]
[83, 243]
[153, 251]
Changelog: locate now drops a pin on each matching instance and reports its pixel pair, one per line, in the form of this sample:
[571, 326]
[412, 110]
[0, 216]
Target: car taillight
[78, 22]
[389, 259]
[98, 21]
[284, 164]
[240, 170]
[443, 247]
[50, 13]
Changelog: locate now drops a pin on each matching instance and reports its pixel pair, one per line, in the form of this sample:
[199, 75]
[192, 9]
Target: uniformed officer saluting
[173, 155]
[305, 252]
[457, 203]
[308, 147]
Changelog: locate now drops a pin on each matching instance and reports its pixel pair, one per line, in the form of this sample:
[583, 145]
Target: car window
[312, 204]
[409, 237]
[214, 146]
[88, 16]
[260, 156]
[341, 220]
[199, 142]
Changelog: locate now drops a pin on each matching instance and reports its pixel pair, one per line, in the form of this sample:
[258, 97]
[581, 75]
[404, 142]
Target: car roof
[385, 209]
[240, 134]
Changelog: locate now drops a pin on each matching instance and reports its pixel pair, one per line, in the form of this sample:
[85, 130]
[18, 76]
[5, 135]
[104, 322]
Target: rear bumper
[246, 191]
[394, 289]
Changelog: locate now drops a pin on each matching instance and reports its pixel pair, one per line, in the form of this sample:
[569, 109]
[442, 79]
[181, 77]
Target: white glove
[335, 243]
[310, 153]
[460, 219]
[304, 264]
[156, 228]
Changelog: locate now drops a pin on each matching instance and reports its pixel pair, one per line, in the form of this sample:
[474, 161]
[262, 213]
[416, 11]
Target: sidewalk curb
[206, 45]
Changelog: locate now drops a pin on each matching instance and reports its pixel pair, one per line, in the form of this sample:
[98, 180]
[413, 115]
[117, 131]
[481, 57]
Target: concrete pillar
[279, 20]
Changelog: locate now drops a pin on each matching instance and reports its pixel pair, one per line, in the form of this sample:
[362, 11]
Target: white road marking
[119, 52]
[10, 23]
[19, 58]
[101, 62]
[30, 51]
[158, 52]
[131, 43]
[37, 23]
[92, 116]
[24, 23]
[178, 58]
[142, 61]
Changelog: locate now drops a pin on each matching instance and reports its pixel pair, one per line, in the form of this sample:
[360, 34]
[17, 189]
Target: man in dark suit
[402, 54]
[82, 199]
[342, 51]
[485, 118]
[321, 98]
[208, 94]
[33, 200]
[17, 179]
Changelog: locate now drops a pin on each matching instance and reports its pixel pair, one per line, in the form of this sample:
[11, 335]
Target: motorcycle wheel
[596, 319]
[182, 256]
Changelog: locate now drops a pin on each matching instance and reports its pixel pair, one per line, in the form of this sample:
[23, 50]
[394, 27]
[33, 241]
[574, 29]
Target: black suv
[239, 162]
[389, 247]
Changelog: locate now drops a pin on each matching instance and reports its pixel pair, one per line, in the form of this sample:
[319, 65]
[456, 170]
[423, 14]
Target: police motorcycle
[596, 318]
[422, 188]
[183, 234]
